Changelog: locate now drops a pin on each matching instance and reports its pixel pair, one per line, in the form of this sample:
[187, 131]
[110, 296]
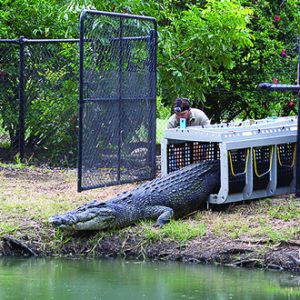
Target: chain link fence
[38, 100]
[117, 99]
[115, 63]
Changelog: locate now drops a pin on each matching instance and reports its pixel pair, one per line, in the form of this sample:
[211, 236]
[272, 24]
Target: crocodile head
[90, 216]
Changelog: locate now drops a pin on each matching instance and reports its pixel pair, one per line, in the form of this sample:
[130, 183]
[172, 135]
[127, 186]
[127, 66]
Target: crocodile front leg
[163, 214]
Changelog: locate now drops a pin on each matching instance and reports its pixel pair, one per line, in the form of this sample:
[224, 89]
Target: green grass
[7, 228]
[286, 211]
[178, 230]
[17, 165]
[233, 227]
[161, 125]
[29, 197]
[269, 220]
[284, 234]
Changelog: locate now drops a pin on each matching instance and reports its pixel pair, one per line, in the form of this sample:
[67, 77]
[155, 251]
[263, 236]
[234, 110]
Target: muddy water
[117, 279]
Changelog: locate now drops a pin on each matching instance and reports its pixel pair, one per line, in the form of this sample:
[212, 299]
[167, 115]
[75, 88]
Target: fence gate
[116, 99]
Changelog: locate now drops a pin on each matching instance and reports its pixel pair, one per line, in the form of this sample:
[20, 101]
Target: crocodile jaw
[85, 219]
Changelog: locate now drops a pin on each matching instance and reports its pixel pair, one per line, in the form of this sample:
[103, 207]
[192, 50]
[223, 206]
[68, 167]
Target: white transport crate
[257, 157]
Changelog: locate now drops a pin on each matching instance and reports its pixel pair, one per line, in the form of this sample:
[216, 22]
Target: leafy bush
[214, 52]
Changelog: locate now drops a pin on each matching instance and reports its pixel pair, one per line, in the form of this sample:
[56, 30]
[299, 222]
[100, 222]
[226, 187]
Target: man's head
[181, 108]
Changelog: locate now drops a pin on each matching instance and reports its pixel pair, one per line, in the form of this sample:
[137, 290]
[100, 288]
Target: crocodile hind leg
[163, 214]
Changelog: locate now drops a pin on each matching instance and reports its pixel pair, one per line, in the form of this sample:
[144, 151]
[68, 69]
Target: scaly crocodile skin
[172, 196]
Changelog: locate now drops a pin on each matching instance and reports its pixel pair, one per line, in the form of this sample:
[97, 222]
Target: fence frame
[22, 41]
[152, 147]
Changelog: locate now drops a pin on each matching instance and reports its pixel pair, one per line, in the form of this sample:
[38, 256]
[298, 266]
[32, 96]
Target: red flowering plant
[273, 57]
[283, 53]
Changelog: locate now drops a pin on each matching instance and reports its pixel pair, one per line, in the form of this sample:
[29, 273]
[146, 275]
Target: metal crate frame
[251, 134]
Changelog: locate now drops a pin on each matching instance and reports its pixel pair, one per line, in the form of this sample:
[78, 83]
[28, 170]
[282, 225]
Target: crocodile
[174, 195]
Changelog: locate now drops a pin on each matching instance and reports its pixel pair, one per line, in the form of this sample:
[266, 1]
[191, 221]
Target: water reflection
[117, 279]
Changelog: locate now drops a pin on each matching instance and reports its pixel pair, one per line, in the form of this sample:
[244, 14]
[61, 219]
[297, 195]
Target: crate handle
[255, 165]
[231, 164]
[293, 160]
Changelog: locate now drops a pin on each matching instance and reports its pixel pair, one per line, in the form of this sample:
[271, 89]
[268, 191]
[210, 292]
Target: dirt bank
[261, 234]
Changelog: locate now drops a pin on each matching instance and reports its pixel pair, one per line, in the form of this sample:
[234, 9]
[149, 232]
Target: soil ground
[260, 234]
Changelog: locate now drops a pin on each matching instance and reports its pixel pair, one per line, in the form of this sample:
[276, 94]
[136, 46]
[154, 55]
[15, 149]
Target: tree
[275, 28]
[215, 52]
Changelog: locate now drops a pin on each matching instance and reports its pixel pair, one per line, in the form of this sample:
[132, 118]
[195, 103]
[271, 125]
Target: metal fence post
[120, 83]
[298, 127]
[152, 94]
[21, 98]
[80, 103]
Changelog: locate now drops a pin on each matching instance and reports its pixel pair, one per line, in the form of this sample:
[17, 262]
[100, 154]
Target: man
[182, 110]
[192, 117]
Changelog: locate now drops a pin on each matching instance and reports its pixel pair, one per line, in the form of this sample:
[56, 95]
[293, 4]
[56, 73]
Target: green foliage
[195, 40]
[206, 40]
[275, 27]
[31, 18]
[214, 52]
[51, 93]
[52, 114]
[162, 115]
[162, 112]
[161, 125]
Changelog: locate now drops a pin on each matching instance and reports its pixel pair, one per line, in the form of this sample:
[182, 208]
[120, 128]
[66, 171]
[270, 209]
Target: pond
[30, 279]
